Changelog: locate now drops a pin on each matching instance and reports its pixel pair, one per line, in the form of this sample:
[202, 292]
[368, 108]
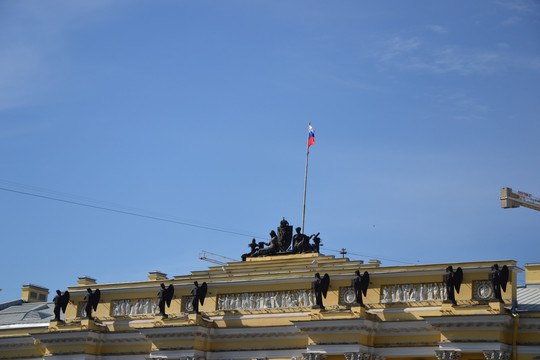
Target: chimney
[532, 275]
[156, 275]
[86, 280]
[374, 262]
[34, 293]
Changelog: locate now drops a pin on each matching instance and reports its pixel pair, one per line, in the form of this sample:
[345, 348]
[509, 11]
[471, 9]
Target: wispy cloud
[411, 54]
[512, 20]
[398, 47]
[520, 5]
[437, 28]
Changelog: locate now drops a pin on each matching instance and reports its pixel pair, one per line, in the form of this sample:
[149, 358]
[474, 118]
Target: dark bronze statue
[499, 278]
[165, 296]
[320, 287]
[280, 243]
[91, 302]
[60, 303]
[360, 284]
[452, 279]
[254, 246]
[301, 242]
[199, 293]
[284, 234]
[316, 243]
[273, 246]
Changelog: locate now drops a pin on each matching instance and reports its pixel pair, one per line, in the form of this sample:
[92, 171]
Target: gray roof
[27, 313]
[528, 299]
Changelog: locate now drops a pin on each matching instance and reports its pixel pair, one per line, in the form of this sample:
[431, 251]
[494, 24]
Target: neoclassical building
[263, 308]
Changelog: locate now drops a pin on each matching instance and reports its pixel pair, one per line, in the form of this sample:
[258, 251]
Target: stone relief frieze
[266, 300]
[407, 293]
[133, 307]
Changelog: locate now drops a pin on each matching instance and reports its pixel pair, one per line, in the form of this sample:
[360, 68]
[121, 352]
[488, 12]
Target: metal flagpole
[305, 184]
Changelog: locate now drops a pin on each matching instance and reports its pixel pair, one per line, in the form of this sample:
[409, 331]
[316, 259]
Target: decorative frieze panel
[347, 296]
[357, 356]
[133, 307]
[483, 290]
[407, 293]
[314, 356]
[447, 354]
[497, 355]
[125, 307]
[266, 300]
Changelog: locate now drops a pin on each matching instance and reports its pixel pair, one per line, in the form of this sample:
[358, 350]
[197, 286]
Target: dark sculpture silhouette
[498, 278]
[316, 243]
[320, 287]
[280, 243]
[254, 246]
[452, 279]
[273, 246]
[91, 302]
[60, 303]
[301, 242]
[165, 296]
[199, 294]
[360, 284]
[284, 235]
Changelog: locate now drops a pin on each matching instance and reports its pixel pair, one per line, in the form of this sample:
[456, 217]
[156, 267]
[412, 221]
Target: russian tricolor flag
[311, 137]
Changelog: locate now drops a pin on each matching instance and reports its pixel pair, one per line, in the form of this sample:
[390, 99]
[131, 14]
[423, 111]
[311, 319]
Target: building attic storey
[292, 305]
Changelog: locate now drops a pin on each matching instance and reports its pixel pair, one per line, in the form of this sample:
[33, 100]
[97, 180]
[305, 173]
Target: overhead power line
[125, 212]
[344, 251]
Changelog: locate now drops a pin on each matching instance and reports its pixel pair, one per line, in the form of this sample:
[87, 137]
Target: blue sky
[197, 112]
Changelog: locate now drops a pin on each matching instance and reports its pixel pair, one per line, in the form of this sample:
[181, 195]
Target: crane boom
[511, 199]
[203, 255]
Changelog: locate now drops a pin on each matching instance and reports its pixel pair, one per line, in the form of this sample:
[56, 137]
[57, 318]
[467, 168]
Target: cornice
[471, 322]
[529, 325]
[418, 327]
[189, 332]
[361, 326]
[474, 346]
[263, 332]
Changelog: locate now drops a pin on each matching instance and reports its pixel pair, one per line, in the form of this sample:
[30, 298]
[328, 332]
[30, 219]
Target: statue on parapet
[360, 284]
[91, 301]
[301, 243]
[164, 297]
[273, 246]
[320, 287]
[280, 243]
[499, 279]
[254, 247]
[452, 279]
[60, 301]
[199, 294]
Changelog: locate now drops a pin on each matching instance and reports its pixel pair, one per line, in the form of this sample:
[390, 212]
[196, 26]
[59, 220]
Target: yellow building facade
[263, 308]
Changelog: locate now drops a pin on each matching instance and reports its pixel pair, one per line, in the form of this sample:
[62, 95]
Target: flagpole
[305, 185]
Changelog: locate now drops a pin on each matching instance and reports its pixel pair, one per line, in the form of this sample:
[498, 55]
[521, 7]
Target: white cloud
[437, 28]
[398, 47]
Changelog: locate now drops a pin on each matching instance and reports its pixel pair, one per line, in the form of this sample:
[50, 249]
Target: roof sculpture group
[360, 283]
[284, 243]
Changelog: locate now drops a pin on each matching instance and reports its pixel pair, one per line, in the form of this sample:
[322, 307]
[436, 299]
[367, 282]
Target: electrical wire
[371, 256]
[125, 212]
